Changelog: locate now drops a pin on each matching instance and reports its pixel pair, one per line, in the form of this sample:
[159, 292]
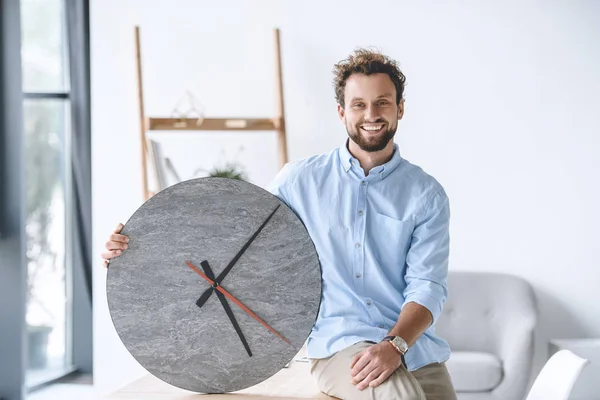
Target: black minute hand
[224, 273]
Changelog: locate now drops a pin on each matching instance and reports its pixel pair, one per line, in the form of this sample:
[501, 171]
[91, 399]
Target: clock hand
[236, 301]
[200, 302]
[208, 271]
[224, 273]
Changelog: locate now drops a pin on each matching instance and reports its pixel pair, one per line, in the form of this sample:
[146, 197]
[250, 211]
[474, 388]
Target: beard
[371, 143]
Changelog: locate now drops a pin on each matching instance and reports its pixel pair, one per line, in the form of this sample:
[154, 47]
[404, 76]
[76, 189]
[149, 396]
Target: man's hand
[372, 366]
[115, 245]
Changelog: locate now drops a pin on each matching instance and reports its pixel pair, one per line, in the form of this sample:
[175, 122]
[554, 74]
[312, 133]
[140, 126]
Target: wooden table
[294, 382]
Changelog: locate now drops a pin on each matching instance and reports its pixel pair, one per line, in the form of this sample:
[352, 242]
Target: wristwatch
[399, 343]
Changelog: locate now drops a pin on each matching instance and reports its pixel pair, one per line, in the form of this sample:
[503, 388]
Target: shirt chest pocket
[389, 239]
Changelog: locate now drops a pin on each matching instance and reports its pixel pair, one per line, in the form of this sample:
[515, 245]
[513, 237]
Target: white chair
[489, 322]
[556, 379]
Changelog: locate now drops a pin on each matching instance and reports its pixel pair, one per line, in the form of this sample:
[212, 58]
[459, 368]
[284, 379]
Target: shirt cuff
[429, 302]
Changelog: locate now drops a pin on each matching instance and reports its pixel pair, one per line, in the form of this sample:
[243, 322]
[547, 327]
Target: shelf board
[213, 124]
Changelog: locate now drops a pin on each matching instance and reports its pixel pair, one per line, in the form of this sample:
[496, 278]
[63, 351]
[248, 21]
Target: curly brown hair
[365, 61]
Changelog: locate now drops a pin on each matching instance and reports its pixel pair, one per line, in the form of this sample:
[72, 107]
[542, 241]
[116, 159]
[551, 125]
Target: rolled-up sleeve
[427, 259]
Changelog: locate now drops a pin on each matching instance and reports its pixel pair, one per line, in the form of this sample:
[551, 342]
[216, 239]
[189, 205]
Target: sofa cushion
[473, 371]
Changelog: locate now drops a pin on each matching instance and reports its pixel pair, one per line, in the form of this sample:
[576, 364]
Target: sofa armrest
[516, 349]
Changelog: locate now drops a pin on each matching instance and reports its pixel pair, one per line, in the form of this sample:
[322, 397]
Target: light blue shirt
[382, 241]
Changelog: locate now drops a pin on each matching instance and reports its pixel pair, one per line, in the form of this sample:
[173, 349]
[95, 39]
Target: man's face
[370, 113]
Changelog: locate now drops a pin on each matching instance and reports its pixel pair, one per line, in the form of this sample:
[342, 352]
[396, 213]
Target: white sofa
[489, 321]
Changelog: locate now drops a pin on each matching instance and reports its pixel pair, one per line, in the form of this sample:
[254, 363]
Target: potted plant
[230, 170]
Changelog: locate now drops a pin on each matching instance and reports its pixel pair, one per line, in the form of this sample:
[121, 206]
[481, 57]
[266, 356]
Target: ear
[401, 109]
[341, 113]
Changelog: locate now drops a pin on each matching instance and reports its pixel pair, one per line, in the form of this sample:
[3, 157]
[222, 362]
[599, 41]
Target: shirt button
[381, 326]
[368, 302]
[363, 183]
[357, 245]
[358, 275]
[360, 212]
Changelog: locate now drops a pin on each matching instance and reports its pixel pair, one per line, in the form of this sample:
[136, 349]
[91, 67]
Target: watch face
[219, 288]
[402, 345]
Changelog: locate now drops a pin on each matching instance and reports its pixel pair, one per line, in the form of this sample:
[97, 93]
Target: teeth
[372, 128]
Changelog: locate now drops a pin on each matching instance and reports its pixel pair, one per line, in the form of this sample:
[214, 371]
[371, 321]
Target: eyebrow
[378, 97]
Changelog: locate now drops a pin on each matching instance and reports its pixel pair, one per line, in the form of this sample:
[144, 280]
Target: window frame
[13, 266]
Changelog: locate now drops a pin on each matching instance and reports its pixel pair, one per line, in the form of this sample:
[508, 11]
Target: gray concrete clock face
[259, 309]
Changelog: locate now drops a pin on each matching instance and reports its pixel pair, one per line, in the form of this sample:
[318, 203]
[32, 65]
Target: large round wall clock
[219, 288]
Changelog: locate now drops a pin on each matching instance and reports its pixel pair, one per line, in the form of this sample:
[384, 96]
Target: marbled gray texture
[152, 292]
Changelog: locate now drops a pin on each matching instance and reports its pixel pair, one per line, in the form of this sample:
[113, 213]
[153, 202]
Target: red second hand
[236, 301]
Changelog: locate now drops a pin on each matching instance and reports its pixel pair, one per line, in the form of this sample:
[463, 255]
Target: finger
[360, 364]
[355, 359]
[354, 369]
[381, 378]
[374, 374]
[105, 263]
[107, 255]
[118, 228]
[110, 245]
[363, 373]
[115, 237]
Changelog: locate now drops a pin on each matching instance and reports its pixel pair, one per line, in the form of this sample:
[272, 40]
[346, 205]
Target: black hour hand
[200, 302]
[209, 273]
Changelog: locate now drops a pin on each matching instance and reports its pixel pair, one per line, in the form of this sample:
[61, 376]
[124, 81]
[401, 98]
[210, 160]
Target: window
[45, 199]
[46, 111]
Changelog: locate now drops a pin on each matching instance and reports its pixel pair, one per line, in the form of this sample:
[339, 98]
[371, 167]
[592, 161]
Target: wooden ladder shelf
[276, 123]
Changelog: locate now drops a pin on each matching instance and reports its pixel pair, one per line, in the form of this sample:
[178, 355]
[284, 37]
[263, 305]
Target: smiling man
[380, 226]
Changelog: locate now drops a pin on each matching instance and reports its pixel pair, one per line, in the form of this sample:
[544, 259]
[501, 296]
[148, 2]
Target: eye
[358, 105]
[383, 103]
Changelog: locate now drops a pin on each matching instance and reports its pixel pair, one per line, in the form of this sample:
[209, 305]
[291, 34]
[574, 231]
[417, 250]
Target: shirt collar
[380, 171]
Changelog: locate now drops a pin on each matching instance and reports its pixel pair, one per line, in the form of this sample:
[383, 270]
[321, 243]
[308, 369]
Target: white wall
[503, 107]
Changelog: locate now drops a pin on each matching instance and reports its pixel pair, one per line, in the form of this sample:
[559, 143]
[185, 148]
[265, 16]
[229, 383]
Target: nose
[371, 114]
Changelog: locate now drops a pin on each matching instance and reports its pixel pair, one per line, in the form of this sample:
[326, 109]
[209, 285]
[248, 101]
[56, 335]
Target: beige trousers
[432, 382]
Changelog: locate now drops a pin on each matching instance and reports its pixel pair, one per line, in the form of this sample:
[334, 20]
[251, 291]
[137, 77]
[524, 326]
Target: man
[380, 226]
